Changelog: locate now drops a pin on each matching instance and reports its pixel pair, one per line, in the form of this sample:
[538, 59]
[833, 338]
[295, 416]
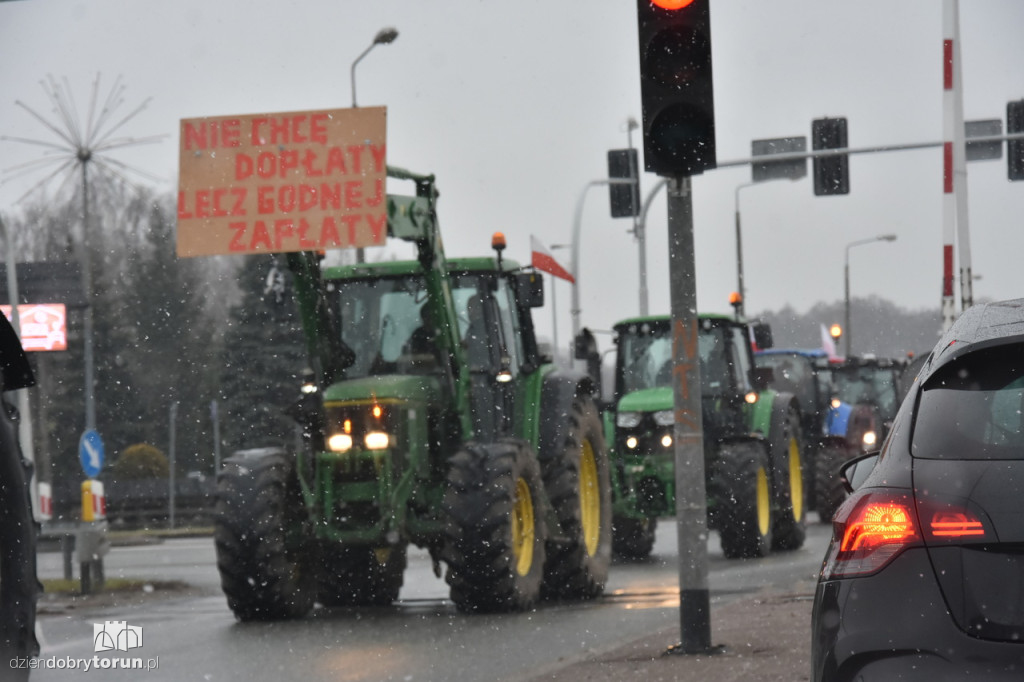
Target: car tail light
[953, 522]
[868, 531]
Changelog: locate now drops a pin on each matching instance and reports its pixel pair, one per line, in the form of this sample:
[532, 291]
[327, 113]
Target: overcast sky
[513, 105]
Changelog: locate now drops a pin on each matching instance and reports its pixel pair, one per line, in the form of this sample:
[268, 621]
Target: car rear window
[973, 408]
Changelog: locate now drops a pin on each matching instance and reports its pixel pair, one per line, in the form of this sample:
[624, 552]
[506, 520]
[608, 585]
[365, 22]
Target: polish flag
[828, 344]
[543, 260]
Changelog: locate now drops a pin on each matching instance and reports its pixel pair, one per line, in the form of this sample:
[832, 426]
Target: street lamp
[577, 225]
[383, 37]
[846, 280]
[554, 311]
[740, 311]
[638, 226]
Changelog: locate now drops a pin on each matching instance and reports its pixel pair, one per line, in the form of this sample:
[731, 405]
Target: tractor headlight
[869, 439]
[340, 442]
[632, 442]
[666, 441]
[377, 440]
[664, 418]
[628, 420]
[751, 397]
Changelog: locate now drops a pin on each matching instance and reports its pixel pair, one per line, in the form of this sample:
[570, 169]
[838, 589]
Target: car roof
[985, 325]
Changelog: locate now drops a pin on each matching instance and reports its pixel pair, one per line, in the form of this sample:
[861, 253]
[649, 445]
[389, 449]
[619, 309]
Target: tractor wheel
[742, 494]
[578, 483]
[19, 587]
[495, 532]
[789, 497]
[263, 539]
[361, 576]
[633, 539]
[827, 484]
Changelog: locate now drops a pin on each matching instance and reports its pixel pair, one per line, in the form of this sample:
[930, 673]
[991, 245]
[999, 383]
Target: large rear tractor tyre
[633, 539]
[495, 532]
[789, 497]
[578, 482]
[263, 539]
[742, 493]
[361, 576]
[828, 485]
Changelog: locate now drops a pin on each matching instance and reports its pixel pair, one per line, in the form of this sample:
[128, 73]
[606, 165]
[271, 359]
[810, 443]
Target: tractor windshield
[868, 384]
[378, 318]
[386, 323]
[795, 373]
[645, 357]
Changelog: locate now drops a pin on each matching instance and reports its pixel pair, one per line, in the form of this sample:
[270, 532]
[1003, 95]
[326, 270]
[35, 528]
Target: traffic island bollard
[91, 544]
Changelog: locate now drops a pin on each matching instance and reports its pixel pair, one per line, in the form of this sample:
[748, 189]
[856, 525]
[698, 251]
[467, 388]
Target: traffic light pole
[688, 434]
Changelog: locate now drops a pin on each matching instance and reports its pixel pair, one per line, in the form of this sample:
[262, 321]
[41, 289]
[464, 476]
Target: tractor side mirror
[763, 335]
[585, 348]
[531, 289]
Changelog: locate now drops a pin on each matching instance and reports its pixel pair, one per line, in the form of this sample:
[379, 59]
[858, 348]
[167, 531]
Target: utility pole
[688, 433]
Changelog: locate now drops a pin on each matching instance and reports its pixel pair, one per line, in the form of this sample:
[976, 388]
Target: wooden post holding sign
[269, 183]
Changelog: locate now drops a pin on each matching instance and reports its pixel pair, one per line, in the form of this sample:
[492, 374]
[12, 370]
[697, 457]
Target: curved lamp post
[846, 281]
[383, 37]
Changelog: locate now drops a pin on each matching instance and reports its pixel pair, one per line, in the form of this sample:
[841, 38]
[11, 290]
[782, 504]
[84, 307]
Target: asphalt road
[193, 635]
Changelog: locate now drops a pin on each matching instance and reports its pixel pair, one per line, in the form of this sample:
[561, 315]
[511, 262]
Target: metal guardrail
[87, 540]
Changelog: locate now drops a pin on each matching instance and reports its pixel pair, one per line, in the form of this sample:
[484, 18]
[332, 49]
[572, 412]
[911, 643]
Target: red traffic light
[676, 88]
[671, 5]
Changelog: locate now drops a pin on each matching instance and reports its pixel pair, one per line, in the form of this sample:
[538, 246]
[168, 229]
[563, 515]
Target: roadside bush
[140, 461]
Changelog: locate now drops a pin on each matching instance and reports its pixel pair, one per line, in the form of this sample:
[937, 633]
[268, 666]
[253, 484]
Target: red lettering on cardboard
[329, 235]
[236, 240]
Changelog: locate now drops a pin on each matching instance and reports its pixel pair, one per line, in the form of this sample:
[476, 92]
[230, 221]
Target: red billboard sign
[43, 326]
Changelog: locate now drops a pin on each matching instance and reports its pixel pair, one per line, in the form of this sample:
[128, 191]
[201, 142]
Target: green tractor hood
[390, 388]
[647, 400]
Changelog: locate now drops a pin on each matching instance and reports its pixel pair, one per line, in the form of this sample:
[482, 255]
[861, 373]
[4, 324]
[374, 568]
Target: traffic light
[1015, 148]
[675, 86]
[625, 200]
[831, 173]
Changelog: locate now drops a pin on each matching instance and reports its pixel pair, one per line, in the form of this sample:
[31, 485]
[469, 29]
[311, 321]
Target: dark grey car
[924, 577]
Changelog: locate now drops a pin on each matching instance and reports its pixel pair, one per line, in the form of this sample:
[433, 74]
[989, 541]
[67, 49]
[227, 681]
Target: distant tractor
[753, 444]
[835, 430]
[872, 381]
[431, 419]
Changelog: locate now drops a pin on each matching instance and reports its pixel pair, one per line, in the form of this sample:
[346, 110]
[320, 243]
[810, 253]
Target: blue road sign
[90, 452]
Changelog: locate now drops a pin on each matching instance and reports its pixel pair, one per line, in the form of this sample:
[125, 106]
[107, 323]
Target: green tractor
[753, 446]
[430, 418]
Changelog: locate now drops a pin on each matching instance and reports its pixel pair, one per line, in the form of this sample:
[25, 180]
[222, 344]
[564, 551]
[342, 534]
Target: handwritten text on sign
[294, 181]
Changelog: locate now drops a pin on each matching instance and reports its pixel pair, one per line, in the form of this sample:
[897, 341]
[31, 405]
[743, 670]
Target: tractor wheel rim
[796, 479]
[522, 528]
[763, 505]
[590, 499]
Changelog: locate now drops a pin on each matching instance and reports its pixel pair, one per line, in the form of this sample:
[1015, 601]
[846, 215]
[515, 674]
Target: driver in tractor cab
[421, 347]
[476, 338]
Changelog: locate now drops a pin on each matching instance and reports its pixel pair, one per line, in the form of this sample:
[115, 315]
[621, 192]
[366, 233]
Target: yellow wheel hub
[523, 528]
[796, 479]
[763, 502]
[590, 499]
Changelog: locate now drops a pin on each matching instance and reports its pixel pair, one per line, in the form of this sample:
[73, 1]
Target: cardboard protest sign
[297, 181]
